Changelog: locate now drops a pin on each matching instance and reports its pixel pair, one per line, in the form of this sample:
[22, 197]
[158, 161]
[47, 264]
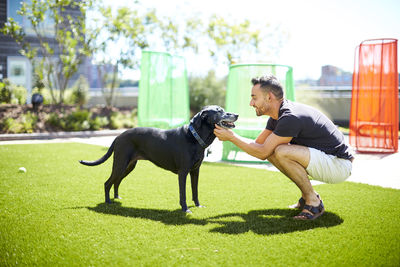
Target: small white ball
[22, 169]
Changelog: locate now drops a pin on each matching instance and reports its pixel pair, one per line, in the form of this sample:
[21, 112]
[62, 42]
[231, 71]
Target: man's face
[258, 100]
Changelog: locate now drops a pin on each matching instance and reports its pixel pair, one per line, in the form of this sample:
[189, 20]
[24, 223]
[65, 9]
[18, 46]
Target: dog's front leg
[194, 178]
[182, 190]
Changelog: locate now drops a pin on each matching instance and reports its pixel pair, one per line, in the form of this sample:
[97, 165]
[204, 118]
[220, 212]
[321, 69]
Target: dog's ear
[203, 115]
[196, 120]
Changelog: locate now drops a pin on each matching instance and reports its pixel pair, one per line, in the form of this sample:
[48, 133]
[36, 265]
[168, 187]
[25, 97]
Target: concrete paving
[373, 169]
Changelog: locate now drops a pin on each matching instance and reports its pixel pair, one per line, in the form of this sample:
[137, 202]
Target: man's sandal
[314, 212]
[300, 205]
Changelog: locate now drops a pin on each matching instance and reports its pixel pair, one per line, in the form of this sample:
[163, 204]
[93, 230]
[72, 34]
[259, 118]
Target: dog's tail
[100, 160]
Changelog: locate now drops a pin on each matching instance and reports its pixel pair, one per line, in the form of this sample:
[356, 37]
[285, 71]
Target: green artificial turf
[54, 215]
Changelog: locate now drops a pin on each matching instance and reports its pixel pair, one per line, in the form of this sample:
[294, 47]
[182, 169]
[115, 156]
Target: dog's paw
[188, 211]
[200, 206]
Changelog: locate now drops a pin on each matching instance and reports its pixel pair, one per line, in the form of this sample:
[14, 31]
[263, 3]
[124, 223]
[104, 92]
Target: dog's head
[212, 115]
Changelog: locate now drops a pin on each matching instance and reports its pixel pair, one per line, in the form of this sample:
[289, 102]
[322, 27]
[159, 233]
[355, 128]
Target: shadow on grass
[262, 222]
[270, 222]
[175, 217]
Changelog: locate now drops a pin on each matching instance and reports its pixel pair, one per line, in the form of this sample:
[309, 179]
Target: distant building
[334, 76]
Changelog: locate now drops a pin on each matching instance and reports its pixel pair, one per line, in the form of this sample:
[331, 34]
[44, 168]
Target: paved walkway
[374, 169]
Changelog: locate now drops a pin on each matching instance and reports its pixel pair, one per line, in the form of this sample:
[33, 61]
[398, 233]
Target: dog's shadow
[175, 217]
[262, 222]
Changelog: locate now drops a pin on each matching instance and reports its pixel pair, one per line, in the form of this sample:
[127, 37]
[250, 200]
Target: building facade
[334, 76]
[13, 65]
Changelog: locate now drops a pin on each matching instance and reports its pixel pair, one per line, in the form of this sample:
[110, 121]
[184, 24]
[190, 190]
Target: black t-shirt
[310, 128]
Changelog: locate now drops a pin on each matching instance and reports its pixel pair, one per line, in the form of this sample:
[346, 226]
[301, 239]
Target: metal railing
[327, 91]
[124, 91]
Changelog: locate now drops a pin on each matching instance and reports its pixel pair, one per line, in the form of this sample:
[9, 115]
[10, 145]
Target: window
[19, 71]
[46, 27]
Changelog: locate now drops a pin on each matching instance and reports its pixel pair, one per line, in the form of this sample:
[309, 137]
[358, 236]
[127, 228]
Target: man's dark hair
[269, 83]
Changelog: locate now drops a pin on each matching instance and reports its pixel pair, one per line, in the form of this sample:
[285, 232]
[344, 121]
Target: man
[298, 140]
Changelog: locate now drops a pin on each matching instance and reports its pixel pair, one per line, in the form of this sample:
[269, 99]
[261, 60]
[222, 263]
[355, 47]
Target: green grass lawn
[54, 215]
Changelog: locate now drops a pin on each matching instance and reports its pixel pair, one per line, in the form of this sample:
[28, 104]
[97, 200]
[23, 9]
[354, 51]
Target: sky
[319, 32]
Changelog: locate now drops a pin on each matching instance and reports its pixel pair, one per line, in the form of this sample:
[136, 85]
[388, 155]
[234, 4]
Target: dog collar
[196, 135]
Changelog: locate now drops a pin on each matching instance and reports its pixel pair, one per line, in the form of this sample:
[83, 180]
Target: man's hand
[223, 134]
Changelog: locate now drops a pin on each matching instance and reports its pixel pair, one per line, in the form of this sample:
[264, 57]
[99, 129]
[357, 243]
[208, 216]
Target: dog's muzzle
[227, 121]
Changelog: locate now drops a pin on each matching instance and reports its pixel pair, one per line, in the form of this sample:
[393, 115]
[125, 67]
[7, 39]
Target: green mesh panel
[163, 91]
[238, 101]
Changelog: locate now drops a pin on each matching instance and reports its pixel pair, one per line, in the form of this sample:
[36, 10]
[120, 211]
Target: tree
[233, 41]
[209, 90]
[62, 54]
[123, 34]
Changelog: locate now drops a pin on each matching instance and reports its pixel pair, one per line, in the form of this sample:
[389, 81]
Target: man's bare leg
[292, 160]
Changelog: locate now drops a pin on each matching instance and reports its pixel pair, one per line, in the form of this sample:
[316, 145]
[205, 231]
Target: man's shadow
[270, 222]
[262, 222]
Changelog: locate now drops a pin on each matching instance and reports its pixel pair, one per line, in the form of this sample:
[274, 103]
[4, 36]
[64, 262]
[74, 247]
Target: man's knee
[288, 152]
[282, 151]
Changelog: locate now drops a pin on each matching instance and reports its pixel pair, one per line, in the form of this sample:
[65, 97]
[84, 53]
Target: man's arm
[263, 136]
[262, 148]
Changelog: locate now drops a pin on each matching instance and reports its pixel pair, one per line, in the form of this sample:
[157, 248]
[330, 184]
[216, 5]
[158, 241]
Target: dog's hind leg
[107, 187]
[118, 170]
[130, 168]
[194, 178]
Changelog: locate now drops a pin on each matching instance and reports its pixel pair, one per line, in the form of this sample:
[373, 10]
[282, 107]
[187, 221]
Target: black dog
[179, 150]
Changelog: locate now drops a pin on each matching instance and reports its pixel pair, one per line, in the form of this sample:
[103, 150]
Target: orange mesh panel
[374, 116]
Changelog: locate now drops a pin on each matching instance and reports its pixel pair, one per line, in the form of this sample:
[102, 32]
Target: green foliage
[128, 26]
[98, 123]
[208, 90]
[38, 83]
[232, 41]
[80, 91]
[120, 120]
[79, 120]
[63, 120]
[11, 93]
[19, 94]
[5, 92]
[55, 214]
[24, 124]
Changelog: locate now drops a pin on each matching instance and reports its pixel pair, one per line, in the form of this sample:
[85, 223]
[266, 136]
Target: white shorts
[328, 168]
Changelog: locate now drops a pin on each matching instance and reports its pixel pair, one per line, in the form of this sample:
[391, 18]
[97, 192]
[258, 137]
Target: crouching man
[298, 140]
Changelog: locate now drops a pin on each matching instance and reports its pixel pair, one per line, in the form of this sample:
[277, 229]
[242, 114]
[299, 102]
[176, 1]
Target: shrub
[79, 93]
[119, 120]
[24, 124]
[5, 92]
[11, 93]
[79, 120]
[54, 120]
[98, 123]
[18, 95]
